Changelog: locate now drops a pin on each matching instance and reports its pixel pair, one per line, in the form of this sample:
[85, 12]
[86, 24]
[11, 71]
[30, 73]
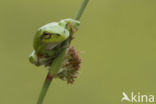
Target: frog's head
[52, 33]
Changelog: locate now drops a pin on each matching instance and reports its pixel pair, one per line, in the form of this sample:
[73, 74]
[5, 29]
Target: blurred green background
[117, 42]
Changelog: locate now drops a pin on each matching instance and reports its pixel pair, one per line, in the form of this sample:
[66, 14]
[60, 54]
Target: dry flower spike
[71, 65]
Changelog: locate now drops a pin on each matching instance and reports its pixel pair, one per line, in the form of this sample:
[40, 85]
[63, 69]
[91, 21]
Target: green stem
[45, 87]
[58, 60]
[52, 72]
[81, 10]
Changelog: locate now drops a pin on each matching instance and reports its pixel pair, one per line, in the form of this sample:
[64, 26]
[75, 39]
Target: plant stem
[52, 71]
[81, 10]
[45, 87]
[58, 60]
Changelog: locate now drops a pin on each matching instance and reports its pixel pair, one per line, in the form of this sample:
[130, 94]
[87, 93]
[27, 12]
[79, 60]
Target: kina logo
[137, 98]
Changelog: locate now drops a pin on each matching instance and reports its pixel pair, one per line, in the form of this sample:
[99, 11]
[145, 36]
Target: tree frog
[48, 40]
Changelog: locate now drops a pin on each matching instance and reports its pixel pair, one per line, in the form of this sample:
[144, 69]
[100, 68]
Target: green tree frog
[48, 40]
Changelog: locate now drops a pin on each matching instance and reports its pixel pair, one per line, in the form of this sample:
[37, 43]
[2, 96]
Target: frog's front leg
[70, 24]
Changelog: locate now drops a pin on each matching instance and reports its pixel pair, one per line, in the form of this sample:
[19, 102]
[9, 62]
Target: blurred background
[117, 42]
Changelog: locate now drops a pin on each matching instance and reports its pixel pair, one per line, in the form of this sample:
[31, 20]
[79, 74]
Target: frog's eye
[46, 35]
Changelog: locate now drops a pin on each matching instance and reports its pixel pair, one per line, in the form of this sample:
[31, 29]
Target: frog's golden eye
[46, 35]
